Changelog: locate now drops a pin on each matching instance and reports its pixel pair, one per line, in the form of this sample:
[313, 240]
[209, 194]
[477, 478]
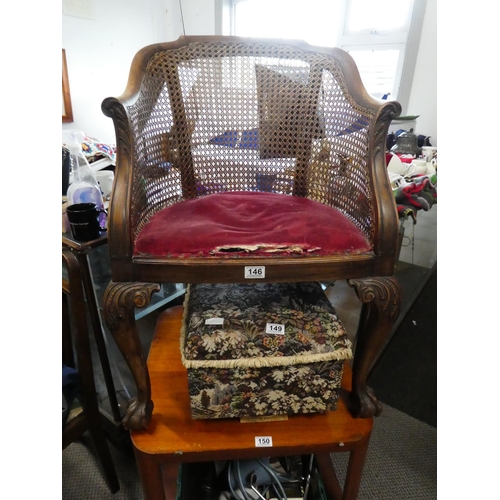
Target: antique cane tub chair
[243, 159]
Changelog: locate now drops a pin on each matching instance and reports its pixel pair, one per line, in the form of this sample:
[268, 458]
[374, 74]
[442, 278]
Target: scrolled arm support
[381, 299]
[120, 301]
[390, 111]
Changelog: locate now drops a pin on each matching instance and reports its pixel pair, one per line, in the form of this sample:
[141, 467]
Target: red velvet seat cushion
[249, 223]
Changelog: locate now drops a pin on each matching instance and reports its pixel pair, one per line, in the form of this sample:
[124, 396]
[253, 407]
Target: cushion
[250, 139]
[249, 223]
[281, 105]
[302, 308]
[229, 138]
[358, 124]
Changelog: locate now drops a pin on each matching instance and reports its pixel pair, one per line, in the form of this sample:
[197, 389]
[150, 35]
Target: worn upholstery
[249, 223]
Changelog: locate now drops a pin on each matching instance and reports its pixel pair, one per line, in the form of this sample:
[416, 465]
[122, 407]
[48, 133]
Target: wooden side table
[81, 250]
[173, 437]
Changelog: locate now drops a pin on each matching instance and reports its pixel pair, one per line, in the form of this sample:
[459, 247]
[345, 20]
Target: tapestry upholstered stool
[173, 437]
[261, 349]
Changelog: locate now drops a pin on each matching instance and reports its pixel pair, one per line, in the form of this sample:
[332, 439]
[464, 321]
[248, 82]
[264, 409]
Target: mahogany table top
[175, 436]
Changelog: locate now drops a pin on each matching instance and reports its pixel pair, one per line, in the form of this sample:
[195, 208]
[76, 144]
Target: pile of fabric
[419, 192]
[95, 150]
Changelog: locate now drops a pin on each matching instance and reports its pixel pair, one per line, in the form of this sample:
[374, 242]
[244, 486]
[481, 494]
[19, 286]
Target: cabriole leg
[381, 299]
[120, 301]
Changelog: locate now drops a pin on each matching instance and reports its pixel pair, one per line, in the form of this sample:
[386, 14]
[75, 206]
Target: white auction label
[275, 328]
[255, 272]
[214, 321]
[263, 441]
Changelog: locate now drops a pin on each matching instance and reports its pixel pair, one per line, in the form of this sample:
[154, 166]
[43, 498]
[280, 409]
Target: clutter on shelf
[267, 478]
[95, 150]
[412, 167]
[405, 141]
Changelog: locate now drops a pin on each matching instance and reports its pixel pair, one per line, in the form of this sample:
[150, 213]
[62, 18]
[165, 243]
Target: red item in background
[403, 158]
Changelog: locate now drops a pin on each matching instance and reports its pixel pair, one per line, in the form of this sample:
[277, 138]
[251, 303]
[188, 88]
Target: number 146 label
[255, 272]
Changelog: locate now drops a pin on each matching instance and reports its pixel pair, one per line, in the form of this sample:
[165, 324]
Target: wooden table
[81, 250]
[173, 437]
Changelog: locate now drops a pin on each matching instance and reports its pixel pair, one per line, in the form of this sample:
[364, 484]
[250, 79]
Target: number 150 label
[263, 441]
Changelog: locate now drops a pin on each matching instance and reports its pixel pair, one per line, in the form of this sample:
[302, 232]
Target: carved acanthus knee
[120, 301]
[381, 299]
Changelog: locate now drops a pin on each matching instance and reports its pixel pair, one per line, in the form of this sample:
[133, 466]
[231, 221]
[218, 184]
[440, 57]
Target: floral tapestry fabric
[236, 369]
[246, 392]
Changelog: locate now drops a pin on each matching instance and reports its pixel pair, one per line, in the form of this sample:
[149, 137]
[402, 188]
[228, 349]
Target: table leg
[170, 473]
[88, 286]
[328, 476]
[151, 476]
[355, 467]
[67, 343]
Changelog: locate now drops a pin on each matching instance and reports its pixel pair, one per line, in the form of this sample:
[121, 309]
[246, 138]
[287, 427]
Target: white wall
[99, 53]
[423, 96]
[199, 16]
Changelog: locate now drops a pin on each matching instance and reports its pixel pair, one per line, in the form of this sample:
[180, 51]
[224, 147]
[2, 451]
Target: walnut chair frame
[187, 98]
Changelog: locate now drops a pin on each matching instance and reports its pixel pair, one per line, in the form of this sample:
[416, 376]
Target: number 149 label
[275, 328]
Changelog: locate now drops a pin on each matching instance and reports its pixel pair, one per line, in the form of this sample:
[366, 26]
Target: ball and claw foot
[138, 415]
[365, 404]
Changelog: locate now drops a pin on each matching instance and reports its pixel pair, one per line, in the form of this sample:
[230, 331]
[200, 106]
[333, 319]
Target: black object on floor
[405, 376]
[411, 279]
